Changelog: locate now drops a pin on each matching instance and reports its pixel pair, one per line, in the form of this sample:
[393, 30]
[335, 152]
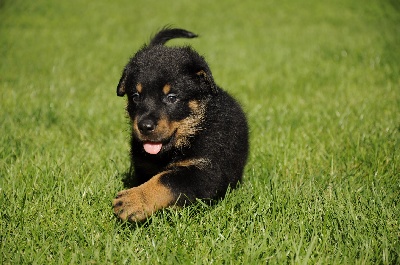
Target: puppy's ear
[206, 76]
[121, 84]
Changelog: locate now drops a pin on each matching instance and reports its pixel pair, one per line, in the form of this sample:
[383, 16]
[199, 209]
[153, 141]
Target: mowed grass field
[319, 81]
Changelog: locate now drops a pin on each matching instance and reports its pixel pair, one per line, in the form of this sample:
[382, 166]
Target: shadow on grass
[128, 179]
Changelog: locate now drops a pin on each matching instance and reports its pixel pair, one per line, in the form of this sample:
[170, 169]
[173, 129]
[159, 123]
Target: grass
[320, 83]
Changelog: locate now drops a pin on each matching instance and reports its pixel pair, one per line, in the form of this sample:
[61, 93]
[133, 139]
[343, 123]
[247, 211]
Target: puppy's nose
[146, 126]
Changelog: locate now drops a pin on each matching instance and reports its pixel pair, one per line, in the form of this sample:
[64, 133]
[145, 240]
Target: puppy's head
[167, 89]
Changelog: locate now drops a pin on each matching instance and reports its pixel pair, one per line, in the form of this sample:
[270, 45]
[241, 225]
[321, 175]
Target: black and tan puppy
[189, 137]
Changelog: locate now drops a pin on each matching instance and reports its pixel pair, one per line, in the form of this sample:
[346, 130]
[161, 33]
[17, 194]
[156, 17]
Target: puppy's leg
[180, 184]
[138, 203]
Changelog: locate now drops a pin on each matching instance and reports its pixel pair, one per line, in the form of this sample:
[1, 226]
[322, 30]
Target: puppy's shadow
[128, 178]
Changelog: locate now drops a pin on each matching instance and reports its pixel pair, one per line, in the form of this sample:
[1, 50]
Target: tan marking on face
[183, 129]
[121, 88]
[164, 127]
[200, 163]
[201, 72]
[135, 126]
[139, 88]
[194, 105]
[163, 130]
[166, 89]
[138, 203]
[189, 126]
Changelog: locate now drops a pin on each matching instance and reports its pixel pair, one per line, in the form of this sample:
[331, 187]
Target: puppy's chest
[150, 166]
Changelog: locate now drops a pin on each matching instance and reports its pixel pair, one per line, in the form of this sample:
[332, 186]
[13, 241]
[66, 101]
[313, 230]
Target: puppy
[189, 138]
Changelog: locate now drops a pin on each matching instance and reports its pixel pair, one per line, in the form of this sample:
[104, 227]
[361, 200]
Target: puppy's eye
[171, 98]
[136, 97]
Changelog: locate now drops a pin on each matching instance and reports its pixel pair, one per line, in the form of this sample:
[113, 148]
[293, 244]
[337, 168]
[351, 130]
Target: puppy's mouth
[157, 140]
[152, 148]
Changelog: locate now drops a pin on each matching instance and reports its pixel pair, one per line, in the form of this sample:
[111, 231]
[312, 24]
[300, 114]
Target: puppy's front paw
[129, 205]
[138, 203]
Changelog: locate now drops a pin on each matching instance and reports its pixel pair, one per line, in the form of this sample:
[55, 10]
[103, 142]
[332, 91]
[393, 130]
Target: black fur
[174, 102]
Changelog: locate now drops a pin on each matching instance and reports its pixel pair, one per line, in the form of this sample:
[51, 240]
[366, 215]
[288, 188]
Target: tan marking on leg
[139, 88]
[166, 89]
[138, 203]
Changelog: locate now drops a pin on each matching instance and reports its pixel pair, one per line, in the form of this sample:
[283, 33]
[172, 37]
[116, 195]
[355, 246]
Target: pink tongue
[152, 148]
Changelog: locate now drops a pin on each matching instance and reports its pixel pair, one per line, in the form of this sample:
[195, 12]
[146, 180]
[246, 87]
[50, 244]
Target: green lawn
[320, 83]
